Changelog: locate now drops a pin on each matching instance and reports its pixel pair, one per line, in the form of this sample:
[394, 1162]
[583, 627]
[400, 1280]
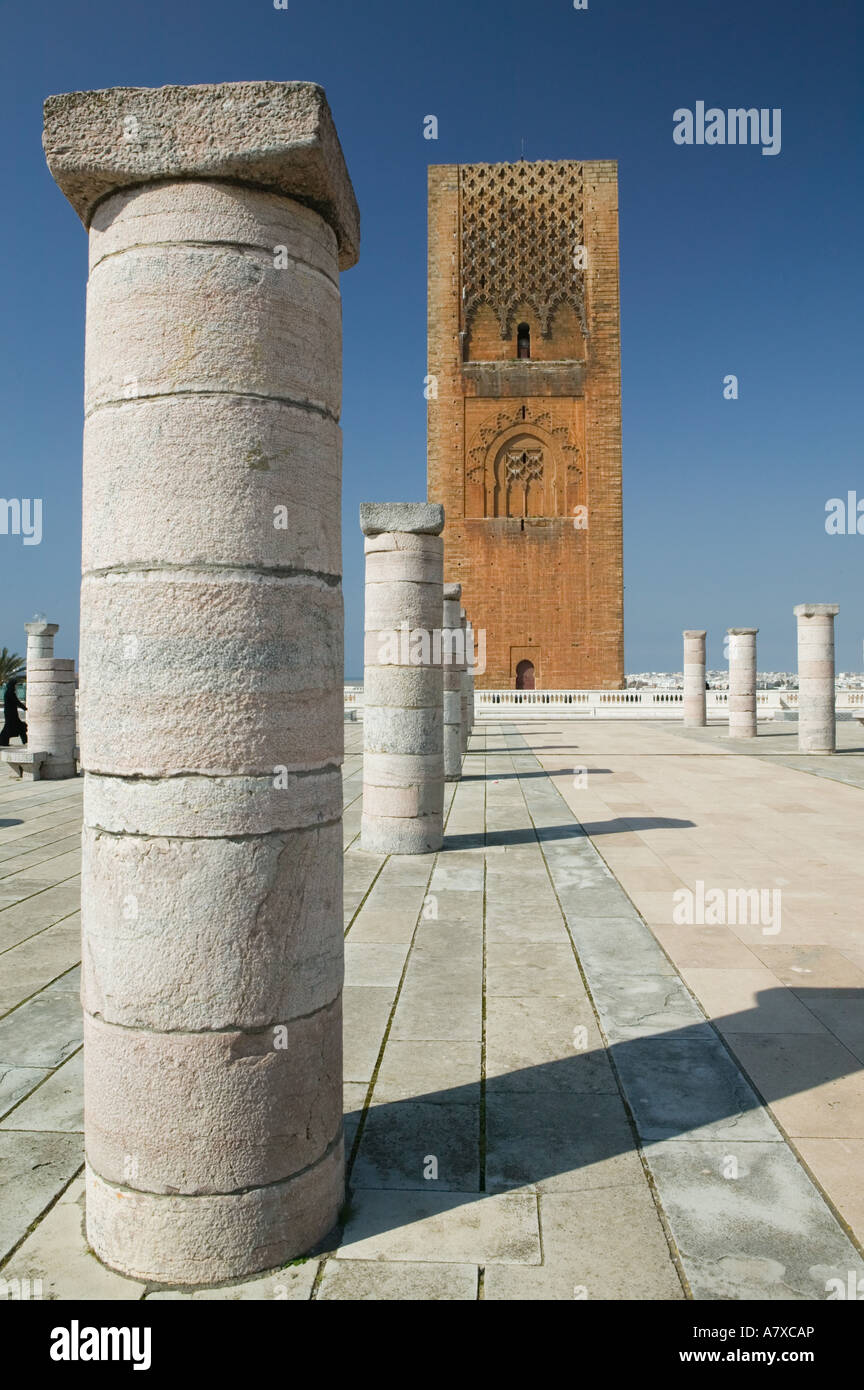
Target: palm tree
[11, 666]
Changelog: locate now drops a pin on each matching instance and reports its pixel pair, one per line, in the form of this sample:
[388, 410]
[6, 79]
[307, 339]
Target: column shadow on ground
[521, 776]
[558, 1117]
[528, 835]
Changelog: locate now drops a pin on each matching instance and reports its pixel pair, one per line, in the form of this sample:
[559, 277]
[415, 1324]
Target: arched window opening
[523, 340]
[525, 675]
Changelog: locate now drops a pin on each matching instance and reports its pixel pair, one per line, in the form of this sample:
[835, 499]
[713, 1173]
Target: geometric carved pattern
[524, 465]
[503, 420]
[521, 225]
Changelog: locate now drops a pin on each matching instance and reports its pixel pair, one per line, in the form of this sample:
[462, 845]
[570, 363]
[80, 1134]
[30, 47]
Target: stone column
[403, 730]
[464, 684]
[51, 714]
[40, 639]
[817, 729]
[694, 679]
[454, 664]
[742, 681]
[211, 669]
[469, 654]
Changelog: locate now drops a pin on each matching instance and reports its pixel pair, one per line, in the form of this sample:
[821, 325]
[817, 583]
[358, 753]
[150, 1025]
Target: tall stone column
[211, 669]
[454, 664]
[40, 639]
[403, 731]
[694, 678]
[817, 729]
[742, 681]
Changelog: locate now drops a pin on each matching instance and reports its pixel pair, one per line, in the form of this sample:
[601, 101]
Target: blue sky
[731, 262]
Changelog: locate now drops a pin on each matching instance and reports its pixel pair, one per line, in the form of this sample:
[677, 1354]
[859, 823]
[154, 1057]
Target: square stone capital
[742, 631]
[418, 518]
[277, 136]
[816, 610]
[452, 592]
[41, 629]
[695, 632]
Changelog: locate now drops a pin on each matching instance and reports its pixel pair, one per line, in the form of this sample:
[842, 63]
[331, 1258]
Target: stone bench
[24, 762]
[35, 766]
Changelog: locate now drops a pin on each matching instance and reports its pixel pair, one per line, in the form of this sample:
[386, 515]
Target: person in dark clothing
[13, 726]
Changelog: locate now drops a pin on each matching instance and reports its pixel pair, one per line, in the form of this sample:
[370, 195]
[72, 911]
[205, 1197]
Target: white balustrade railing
[651, 703]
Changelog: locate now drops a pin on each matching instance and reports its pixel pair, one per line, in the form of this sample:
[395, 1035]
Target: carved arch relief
[522, 479]
[521, 463]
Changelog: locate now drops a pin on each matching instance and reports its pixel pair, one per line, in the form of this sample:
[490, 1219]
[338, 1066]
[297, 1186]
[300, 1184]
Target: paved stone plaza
[536, 1103]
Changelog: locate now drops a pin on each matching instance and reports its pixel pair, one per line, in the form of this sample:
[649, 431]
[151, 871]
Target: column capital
[741, 631]
[41, 629]
[452, 593]
[816, 610]
[418, 518]
[276, 136]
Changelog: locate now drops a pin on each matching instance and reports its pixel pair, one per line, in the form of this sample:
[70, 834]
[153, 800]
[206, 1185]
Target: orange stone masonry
[524, 429]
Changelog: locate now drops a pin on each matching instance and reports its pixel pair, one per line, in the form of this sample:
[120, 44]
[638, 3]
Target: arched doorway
[525, 675]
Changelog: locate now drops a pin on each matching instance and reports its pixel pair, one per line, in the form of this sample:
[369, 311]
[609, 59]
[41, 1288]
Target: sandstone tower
[524, 395]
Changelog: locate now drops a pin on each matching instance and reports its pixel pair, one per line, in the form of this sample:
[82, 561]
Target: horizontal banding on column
[422, 799]
[270, 474]
[267, 332]
[256, 686]
[204, 1113]
[396, 602]
[207, 1240]
[198, 213]
[402, 730]
[402, 835]
[211, 933]
[402, 769]
[406, 566]
[213, 806]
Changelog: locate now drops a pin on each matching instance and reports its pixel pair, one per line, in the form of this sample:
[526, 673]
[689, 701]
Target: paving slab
[370, 1280]
[57, 1105]
[748, 1221]
[34, 1169]
[440, 1227]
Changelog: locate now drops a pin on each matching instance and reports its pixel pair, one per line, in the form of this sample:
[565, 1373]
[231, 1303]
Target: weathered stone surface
[207, 1239]
[420, 518]
[213, 806]
[250, 926]
[272, 135]
[269, 332]
[212, 1112]
[270, 469]
[257, 687]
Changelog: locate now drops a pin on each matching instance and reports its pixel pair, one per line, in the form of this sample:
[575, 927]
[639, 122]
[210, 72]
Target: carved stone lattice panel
[524, 465]
[521, 227]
